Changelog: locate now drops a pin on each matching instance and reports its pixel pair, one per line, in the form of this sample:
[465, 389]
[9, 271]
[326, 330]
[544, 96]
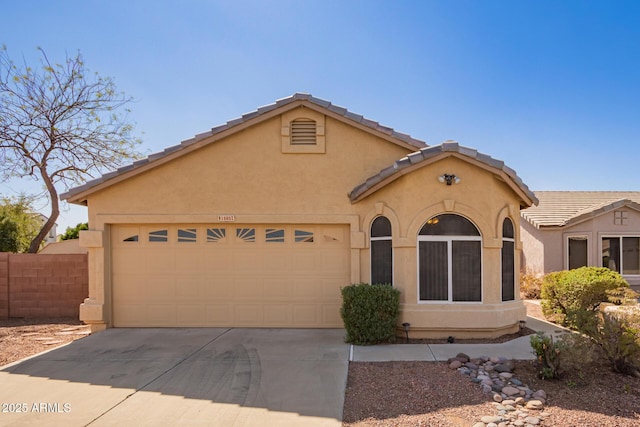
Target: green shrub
[617, 335]
[564, 293]
[530, 285]
[370, 313]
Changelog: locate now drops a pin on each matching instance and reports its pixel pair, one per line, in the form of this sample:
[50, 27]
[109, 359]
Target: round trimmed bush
[565, 293]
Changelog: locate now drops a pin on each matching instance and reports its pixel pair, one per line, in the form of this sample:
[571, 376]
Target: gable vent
[303, 132]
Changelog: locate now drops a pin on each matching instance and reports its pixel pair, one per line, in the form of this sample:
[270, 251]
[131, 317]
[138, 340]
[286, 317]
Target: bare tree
[60, 124]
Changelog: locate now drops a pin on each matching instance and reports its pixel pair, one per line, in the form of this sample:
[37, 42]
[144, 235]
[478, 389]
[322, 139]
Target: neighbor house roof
[562, 208]
[78, 194]
[428, 155]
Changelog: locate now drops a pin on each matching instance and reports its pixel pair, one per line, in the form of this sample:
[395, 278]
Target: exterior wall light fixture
[406, 327]
[449, 179]
[522, 325]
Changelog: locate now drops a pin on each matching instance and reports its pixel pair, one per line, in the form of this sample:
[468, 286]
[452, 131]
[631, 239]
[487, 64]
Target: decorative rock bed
[515, 403]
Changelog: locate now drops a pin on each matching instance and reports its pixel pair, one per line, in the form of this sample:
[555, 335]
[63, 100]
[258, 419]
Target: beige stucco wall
[532, 259]
[409, 203]
[71, 246]
[248, 175]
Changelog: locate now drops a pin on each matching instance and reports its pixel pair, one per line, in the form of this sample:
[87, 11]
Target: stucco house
[571, 229]
[260, 221]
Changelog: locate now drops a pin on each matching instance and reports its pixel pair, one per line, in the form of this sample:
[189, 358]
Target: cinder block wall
[42, 285]
[4, 285]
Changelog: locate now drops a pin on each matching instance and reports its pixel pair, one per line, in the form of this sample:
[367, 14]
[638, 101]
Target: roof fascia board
[203, 139]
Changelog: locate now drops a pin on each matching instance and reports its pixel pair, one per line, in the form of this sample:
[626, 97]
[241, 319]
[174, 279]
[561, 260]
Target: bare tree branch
[60, 124]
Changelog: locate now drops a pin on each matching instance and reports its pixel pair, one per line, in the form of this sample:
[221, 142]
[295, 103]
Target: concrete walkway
[515, 349]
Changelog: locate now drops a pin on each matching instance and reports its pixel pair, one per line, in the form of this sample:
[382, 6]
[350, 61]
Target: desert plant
[370, 313]
[565, 293]
[548, 353]
[530, 285]
[617, 335]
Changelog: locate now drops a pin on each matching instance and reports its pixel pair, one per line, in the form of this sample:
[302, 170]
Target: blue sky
[550, 87]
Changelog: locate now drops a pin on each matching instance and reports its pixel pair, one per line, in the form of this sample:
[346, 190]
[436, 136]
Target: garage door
[229, 275]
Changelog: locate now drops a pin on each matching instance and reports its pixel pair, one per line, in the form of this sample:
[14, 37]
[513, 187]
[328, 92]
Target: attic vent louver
[303, 132]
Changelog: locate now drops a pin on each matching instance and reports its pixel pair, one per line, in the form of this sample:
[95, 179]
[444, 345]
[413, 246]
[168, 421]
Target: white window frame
[619, 236]
[449, 239]
[587, 236]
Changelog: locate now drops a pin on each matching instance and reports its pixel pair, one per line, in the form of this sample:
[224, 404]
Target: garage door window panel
[303, 236]
[216, 235]
[187, 235]
[246, 234]
[159, 236]
[274, 235]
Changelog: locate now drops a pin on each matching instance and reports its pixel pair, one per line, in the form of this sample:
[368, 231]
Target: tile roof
[400, 167]
[562, 208]
[297, 97]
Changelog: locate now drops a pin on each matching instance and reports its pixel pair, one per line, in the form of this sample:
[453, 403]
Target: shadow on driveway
[169, 376]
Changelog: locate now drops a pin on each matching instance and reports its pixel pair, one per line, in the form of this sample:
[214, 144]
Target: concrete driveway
[199, 376]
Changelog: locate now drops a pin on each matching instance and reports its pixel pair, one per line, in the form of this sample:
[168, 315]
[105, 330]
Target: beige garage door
[229, 275]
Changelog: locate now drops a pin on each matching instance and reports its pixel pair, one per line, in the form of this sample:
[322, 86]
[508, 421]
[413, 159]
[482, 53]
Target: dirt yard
[20, 338]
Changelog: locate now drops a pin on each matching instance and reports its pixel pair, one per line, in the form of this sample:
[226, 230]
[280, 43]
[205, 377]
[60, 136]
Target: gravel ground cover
[20, 338]
[430, 394]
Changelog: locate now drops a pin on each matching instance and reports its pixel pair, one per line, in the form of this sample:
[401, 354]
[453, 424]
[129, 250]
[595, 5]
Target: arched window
[450, 260]
[381, 251]
[508, 261]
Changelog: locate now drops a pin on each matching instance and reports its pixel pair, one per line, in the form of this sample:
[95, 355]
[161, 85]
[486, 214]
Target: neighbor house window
[621, 254]
[578, 252]
[450, 260]
[381, 251]
[620, 218]
[508, 261]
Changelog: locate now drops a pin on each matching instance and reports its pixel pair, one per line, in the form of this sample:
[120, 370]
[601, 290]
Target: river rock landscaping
[515, 403]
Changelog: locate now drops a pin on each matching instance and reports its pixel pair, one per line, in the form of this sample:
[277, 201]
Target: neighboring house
[260, 221]
[571, 229]
[52, 236]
